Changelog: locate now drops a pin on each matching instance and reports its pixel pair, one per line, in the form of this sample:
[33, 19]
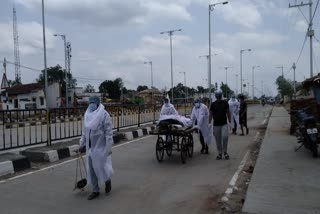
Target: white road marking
[65, 162]
[234, 179]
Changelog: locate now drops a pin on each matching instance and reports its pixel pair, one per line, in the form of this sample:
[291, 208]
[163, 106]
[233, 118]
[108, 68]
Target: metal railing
[19, 128]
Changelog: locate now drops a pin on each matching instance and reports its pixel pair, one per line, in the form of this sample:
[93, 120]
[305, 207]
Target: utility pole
[294, 80]
[262, 87]
[310, 32]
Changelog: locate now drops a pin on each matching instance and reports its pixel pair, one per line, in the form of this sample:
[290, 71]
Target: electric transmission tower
[16, 48]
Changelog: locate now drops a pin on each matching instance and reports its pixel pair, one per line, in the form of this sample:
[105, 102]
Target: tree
[200, 89]
[226, 90]
[284, 86]
[57, 74]
[112, 87]
[89, 89]
[141, 88]
[12, 83]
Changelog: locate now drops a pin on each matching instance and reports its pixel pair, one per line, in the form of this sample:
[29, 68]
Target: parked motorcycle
[306, 131]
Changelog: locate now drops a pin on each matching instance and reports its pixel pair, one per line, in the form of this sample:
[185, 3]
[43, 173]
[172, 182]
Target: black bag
[80, 184]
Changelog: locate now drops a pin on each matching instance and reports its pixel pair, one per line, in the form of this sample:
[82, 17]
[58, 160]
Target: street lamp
[186, 92]
[253, 67]
[150, 63]
[211, 8]
[65, 58]
[170, 33]
[241, 51]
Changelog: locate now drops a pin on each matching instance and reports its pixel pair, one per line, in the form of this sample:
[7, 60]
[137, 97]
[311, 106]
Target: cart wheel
[169, 148]
[160, 149]
[184, 150]
[190, 146]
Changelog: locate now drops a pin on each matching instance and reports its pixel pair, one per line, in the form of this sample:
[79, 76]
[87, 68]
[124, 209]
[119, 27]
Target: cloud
[243, 13]
[111, 12]
[30, 38]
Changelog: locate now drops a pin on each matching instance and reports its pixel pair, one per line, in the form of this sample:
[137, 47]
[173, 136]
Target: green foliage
[138, 100]
[57, 74]
[141, 88]
[284, 87]
[12, 83]
[89, 89]
[112, 87]
[227, 92]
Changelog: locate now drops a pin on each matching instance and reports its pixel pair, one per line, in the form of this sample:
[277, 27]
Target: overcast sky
[112, 38]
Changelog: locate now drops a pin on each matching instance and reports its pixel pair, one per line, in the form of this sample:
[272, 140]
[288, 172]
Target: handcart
[174, 138]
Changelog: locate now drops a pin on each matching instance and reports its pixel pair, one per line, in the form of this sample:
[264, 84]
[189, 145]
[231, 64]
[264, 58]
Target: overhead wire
[39, 71]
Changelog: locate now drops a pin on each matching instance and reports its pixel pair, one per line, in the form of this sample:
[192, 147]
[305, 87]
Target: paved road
[140, 184]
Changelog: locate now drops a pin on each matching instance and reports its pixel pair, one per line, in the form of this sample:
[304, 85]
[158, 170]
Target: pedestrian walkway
[284, 181]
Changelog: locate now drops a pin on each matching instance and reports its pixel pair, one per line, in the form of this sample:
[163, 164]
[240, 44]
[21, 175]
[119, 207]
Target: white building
[30, 96]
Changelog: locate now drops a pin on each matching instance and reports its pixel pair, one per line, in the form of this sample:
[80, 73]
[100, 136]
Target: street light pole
[237, 75]
[253, 67]
[211, 8]
[241, 51]
[170, 33]
[226, 68]
[150, 63]
[186, 92]
[65, 59]
[45, 55]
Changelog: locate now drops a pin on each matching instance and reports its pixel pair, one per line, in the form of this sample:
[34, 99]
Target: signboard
[4, 82]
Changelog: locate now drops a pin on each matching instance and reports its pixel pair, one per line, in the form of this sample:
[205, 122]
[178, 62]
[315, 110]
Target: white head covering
[93, 119]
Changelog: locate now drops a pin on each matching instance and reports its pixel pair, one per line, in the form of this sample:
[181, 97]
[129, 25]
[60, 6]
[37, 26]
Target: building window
[41, 101]
[16, 103]
[33, 99]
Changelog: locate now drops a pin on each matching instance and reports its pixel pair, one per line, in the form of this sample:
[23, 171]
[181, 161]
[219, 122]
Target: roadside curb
[59, 151]
[11, 163]
[138, 133]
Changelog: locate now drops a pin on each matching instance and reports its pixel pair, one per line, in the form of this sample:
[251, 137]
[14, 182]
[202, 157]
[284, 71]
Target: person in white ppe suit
[167, 109]
[97, 138]
[234, 108]
[200, 116]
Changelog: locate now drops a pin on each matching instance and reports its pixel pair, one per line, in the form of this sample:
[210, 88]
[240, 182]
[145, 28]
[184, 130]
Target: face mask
[167, 105]
[197, 105]
[92, 107]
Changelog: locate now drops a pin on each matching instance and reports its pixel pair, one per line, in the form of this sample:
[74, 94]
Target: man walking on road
[219, 111]
[243, 115]
[200, 115]
[98, 140]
